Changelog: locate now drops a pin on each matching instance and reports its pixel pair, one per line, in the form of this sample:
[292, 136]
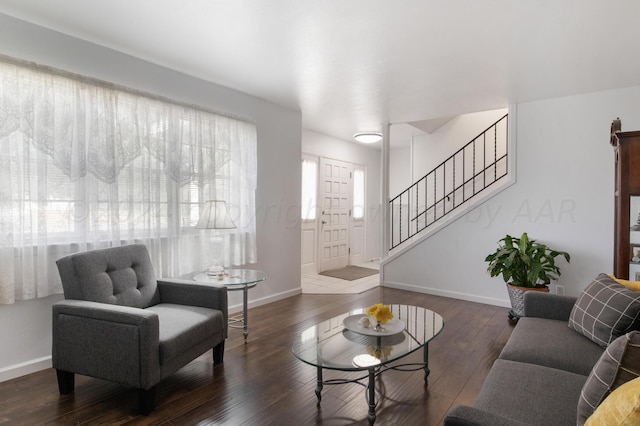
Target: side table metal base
[242, 320]
[235, 279]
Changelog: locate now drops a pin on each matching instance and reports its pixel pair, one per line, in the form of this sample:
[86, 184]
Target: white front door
[335, 202]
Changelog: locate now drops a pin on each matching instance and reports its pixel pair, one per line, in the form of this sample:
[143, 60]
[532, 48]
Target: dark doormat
[350, 272]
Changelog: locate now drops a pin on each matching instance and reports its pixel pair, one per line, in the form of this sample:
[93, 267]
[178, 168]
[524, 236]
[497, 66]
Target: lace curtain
[84, 165]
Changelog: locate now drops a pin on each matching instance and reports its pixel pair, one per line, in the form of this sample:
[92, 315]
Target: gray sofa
[538, 377]
[120, 323]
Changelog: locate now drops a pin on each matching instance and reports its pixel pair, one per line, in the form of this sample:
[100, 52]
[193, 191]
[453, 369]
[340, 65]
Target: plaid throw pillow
[619, 363]
[605, 310]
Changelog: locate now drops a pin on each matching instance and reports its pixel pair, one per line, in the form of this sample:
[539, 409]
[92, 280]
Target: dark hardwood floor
[262, 383]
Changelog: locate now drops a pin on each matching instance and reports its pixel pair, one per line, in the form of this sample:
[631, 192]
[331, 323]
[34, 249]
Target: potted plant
[524, 264]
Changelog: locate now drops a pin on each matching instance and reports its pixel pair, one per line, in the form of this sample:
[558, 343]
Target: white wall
[431, 149]
[563, 197]
[428, 150]
[399, 170]
[326, 146]
[25, 326]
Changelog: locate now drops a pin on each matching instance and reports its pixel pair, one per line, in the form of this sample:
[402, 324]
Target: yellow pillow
[620, 408]
[631, 285]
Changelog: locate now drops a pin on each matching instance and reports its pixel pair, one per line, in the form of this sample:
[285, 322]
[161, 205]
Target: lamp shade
[215, 215]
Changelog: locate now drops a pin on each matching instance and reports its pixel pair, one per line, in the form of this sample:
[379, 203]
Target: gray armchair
[119, 323]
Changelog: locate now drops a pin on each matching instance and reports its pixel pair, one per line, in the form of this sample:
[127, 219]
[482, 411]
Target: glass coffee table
[342, 343]
[235, 280]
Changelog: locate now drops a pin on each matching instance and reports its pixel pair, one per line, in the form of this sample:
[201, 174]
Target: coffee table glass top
[330, 345]
[233, 277]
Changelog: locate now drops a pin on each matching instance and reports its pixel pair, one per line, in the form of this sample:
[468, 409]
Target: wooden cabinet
[626, 257]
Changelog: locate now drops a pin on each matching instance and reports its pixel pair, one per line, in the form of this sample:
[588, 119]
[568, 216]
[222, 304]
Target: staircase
[470, 171]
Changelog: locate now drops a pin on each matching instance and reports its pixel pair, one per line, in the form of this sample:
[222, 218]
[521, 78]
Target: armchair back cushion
[119, 276]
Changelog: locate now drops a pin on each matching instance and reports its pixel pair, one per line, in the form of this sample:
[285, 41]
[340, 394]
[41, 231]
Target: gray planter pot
[516, 295]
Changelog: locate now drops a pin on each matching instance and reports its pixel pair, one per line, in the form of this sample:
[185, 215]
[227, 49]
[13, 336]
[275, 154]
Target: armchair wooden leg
[218, 353]
[66, 381]
[146, 400]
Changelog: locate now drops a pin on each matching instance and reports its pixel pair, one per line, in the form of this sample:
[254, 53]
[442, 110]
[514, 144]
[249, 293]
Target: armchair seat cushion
[182, 327]
[553, 344]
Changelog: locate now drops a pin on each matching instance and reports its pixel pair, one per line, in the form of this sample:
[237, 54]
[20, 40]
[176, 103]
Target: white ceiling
[351, 65]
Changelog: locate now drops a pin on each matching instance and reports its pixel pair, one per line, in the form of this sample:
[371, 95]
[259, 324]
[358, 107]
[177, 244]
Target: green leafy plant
[523, 262]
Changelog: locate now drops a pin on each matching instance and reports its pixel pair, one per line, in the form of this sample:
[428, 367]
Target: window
[85, 165]
[358, 193]
[309, 189]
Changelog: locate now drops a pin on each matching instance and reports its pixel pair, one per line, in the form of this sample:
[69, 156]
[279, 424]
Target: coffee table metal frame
[236, 280]
[421, 326]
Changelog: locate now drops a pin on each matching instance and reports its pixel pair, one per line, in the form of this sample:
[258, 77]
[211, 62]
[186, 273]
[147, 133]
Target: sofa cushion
[552, 344]
[182, 327]
[619, 364]
[631, 285]
[605, 310]
[620, 408]
[531, 394]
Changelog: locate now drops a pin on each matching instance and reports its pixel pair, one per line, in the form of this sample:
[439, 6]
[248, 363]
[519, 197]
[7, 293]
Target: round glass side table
[236, 280]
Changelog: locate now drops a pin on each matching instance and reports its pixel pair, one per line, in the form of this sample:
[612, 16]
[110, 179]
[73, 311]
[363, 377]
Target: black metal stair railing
[470, 170]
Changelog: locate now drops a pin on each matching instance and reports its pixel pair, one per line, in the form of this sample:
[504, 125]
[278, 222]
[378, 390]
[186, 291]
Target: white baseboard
[24, 368]
[233, 309]
[452, 294]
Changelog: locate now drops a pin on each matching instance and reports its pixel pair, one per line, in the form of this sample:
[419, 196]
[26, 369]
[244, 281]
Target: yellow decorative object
[631, 285]
[620, 408]
[380, 312]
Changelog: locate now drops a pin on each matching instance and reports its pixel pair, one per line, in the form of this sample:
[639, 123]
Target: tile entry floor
[320, 284]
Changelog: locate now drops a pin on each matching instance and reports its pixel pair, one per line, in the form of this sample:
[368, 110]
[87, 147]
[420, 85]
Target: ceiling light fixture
[368, 137]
